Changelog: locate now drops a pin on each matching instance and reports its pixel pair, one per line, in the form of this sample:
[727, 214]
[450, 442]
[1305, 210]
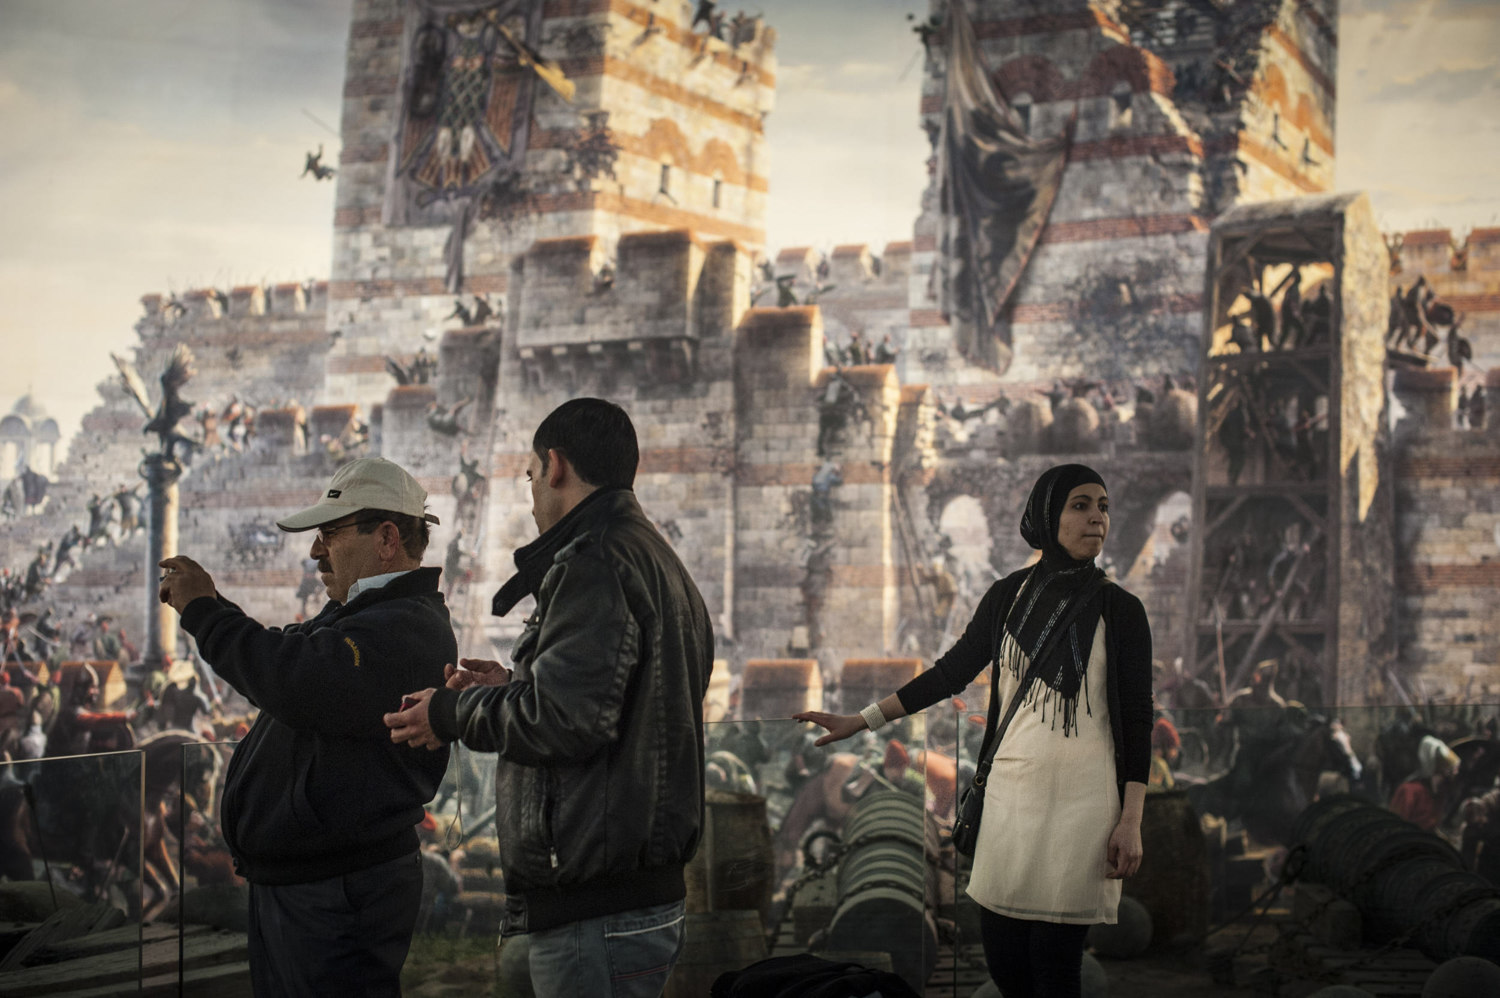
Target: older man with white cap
[320, 808]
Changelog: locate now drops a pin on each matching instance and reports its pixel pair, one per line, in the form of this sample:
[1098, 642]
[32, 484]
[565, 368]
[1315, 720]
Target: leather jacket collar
[534, 560]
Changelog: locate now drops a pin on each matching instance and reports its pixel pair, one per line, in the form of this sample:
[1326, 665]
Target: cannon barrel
[882, 886]
[1402, 879]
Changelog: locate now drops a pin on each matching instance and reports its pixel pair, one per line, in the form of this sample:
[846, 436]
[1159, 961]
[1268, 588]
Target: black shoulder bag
[971, 804]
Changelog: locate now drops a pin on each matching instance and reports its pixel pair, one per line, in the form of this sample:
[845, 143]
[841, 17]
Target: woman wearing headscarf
[1062, 817]
[1417, 798]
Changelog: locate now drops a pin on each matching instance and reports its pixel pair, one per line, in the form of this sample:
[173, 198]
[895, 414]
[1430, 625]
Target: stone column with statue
[161, 468]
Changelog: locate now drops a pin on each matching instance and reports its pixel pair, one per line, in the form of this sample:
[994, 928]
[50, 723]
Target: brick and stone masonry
[640, 289]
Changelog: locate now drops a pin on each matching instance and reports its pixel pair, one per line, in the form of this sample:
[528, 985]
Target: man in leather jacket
[599, 728]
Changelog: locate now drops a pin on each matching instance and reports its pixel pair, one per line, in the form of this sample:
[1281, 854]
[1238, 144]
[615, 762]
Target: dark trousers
[341, 936]
[1033, 959]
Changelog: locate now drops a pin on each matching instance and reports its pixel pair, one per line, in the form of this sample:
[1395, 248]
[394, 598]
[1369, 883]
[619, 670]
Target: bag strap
[993, 732]
[993, 736]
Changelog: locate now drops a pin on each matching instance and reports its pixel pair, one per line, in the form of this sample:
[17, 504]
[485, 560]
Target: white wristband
[874, 717]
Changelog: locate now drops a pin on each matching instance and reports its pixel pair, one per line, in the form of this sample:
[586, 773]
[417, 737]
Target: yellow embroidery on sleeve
[355, 649]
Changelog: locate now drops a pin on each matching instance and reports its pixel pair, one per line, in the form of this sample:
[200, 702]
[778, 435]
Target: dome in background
[29, 409]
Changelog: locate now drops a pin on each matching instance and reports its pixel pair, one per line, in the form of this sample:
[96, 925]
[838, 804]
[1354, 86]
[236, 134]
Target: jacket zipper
[548, 805]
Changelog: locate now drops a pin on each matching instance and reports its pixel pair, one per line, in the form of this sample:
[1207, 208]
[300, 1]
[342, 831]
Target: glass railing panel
[462, 897]
[214, 904]
[77, 891]
[1267, 800]
[463, 891]
[946, 771]
[845, 851]
[809, 849]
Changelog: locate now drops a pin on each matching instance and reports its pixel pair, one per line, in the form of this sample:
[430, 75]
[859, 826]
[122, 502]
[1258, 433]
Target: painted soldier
[80, 728]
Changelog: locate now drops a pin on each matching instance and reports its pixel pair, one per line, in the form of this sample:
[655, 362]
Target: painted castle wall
[1463, 272]
[1162, 143]
[657, 83]
[262, 345]
[1447, 546]
[617, 288]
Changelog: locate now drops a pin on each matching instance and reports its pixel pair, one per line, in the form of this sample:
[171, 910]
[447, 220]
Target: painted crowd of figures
[1254, 765]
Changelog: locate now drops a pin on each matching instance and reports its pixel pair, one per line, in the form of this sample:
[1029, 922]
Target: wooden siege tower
[1292, 550]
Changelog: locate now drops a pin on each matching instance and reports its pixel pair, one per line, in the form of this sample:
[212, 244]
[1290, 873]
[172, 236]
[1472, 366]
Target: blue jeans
[626, 955]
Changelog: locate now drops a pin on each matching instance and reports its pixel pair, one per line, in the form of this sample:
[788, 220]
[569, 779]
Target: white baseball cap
[364, 483]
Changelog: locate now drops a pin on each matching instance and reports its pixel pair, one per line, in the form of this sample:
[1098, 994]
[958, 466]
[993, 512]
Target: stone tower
[1179, 111]
[550, 200]
[458, 154]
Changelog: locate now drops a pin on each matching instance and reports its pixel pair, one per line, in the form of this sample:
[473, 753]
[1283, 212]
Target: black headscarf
[1057, 609]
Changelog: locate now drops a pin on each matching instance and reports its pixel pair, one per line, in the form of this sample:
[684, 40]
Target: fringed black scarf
[1057, 609]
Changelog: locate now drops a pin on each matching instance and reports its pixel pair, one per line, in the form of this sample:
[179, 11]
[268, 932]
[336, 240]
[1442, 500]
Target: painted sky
[156, 145]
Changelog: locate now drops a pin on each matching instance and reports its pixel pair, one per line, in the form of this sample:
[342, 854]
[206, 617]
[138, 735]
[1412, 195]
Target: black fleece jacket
[317, 789]
[1127, 637]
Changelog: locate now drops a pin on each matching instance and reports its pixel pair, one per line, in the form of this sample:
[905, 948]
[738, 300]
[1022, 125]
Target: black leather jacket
[599, 788]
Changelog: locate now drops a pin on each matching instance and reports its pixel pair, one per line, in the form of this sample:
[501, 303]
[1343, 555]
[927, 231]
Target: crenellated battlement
[329, 423]
[1436, 251]
[780, 687]
[779, 348]
[280, 432]
[242, 301]
[1425, 251]
[751, 44]
[1463, 274]
[799, 262]
[852, 269]
[851, 263]
[660, 288]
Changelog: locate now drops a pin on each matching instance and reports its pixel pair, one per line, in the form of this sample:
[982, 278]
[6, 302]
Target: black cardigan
[1127, 636]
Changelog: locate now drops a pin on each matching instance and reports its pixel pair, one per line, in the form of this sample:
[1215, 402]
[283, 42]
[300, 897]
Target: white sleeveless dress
[1050, 807]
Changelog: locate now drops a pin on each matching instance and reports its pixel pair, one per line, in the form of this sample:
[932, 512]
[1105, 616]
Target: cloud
[1442, 86]
[1373, 48]
[179, 23]
[791, 78]
[846, 150]
[177, 66]
[1404, 211]
[77, 184]
[1403, 13]
[847, 160]
[831, 31]
[854, 187]
[100, 210]
[1416, 110]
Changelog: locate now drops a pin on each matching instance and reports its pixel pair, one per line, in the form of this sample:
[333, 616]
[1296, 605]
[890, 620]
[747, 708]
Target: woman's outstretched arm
[841, 726]
[948, 676]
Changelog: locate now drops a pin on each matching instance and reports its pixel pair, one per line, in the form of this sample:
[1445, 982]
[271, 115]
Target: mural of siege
[1288, 403]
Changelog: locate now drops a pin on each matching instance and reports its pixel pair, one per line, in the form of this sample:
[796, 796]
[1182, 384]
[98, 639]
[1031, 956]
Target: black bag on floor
[806, 976]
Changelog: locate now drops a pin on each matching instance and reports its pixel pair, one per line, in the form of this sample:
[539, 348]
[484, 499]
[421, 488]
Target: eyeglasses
[326, 532]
